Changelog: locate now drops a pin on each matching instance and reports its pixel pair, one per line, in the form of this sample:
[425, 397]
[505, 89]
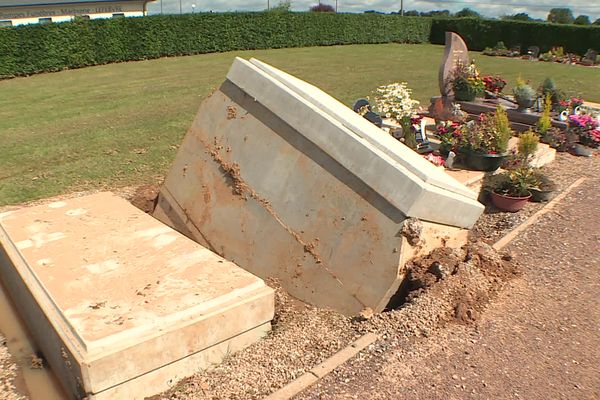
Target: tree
[436, 13]
[466, 13]
[561, 16]
[582, 20]
[283, 7]
[597, 22]
[321, 8]
[518, 17]
[412, 13]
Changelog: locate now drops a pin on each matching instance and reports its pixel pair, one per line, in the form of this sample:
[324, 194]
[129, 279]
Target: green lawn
[119, 124]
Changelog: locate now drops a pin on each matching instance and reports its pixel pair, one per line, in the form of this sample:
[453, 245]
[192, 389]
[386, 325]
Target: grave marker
[286, 181]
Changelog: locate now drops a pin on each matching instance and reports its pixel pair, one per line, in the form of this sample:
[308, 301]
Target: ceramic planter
[508, 203]
[525, 104]
[483, 162]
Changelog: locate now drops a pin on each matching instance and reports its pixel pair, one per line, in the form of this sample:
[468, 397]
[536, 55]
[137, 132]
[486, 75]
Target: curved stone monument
[455, 52]
[442, 107]
[287, 182]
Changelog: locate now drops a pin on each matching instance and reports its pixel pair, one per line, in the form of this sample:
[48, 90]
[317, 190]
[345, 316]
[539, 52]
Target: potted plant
[527, 146]
[484, 142]
[510, 190]
[544, 190]
[394, 101]
[525, 96]
[585, 132]
[544, 124]
[448, 132]
[466, 82]
[548, 87]
[493, 86]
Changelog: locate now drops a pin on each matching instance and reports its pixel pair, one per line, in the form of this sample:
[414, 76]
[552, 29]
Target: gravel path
[540, 338]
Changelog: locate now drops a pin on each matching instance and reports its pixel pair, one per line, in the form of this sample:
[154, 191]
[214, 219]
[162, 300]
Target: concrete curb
[510, 236]
[321, 370]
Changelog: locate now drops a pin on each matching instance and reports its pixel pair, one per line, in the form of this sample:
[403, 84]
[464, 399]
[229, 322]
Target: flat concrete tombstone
[455, 52]
[287, 182]
[120, 304]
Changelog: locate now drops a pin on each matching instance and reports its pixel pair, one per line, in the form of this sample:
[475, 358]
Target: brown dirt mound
[145, 197]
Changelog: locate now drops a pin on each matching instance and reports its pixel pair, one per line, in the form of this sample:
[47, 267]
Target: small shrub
[503, 130]
[545, 122]
[528, 144]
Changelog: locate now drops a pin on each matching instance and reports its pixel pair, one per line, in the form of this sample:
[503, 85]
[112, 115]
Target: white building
[18, 12]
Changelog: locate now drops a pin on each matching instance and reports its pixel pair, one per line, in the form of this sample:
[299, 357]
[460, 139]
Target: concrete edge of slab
[510, 236]
[321, 370]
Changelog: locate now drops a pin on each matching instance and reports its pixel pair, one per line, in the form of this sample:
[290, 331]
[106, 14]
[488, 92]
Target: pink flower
[595, 135]
[435, 160]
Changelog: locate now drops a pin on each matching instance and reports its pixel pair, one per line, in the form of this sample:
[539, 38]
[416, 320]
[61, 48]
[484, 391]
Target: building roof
[27, 3]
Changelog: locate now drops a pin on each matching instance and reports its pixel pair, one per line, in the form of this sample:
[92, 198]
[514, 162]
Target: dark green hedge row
[37, 48]
[481, 33]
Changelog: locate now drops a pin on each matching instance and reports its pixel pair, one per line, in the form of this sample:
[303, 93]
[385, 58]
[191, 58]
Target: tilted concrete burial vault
[285, 181]
[121, 305]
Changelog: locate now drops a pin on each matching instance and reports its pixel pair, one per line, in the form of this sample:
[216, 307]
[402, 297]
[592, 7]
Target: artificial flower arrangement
[394, 101]
[494, 84]
[449, 133]
[436, 160]
[466, 82]
[585, 128]
[489, 134]
[569, 104]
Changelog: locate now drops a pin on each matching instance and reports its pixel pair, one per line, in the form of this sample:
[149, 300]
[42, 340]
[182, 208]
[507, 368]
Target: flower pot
[581, 150]
[466, 94]
[542, 196]
[525, 104]
[483, 162]
[508, 203]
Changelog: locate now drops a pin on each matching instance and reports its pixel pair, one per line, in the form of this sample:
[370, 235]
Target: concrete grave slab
[121, 305]
[287, 182]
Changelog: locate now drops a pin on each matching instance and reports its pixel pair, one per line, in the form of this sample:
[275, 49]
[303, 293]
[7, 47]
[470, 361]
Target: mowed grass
[120, 124]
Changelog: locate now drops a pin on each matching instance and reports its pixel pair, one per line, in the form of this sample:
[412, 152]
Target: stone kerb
[280, 178]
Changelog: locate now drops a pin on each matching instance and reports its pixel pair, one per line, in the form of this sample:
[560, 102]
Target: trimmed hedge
[481, 33]
[37, 48]
[30, 49]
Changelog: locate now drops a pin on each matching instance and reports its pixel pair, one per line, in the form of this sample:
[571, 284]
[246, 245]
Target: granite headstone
[455, 52]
